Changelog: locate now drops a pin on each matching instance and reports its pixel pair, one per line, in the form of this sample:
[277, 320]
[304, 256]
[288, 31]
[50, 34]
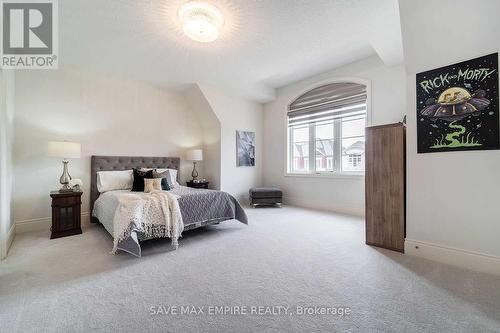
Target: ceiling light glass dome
[201, 21]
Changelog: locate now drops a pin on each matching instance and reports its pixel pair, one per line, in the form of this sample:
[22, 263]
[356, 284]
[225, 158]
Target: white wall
[453, 198]
[108, 116]
[236, 113]
[211, 135]
[338, 194]
[7, 231]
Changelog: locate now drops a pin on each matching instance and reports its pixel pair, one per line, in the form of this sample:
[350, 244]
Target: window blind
[334, 100]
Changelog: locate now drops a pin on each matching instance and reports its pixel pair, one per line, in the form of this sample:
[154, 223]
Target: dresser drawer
[66, 201]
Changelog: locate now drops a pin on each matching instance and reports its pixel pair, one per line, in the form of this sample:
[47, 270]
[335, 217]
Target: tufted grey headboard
[110, 163]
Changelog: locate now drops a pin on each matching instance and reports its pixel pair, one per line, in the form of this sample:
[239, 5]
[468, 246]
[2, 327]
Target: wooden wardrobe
[385, 166]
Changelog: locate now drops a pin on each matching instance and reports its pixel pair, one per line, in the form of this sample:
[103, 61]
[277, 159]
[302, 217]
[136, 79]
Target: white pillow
[172, 180]
[114, 180]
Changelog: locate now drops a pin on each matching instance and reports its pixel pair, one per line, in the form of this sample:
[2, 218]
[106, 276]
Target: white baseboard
[43, 223]
[7, 242]
[10, 238]
[453, 256]
[342, 209]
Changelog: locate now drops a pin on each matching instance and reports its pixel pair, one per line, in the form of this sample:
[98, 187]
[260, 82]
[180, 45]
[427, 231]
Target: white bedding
[105, 207]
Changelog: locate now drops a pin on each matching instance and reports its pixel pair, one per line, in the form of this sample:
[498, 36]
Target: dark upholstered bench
[265, 196]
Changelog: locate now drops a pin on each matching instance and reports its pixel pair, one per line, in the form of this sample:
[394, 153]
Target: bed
[199, 207]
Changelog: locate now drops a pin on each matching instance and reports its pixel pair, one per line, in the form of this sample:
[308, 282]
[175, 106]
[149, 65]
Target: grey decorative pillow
[165, 186]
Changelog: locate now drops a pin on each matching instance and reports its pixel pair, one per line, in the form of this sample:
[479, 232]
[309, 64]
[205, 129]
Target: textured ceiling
[264, 44]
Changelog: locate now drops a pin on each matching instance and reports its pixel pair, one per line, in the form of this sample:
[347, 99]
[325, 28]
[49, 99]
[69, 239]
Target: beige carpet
[286, 257]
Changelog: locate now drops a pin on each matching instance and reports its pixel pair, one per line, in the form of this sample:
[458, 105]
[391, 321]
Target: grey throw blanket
[198, 207]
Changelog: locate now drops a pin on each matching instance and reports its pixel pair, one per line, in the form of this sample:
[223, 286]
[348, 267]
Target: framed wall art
[245, 148]
[457, 106]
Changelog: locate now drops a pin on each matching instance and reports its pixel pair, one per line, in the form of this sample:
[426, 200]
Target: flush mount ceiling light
[201, 21]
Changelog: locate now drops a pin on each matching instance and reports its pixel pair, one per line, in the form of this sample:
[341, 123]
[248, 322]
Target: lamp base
[65, 179]
[194, 173]
[65, 189]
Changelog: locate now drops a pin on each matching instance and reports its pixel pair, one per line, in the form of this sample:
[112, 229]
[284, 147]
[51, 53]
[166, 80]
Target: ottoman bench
[265, 196]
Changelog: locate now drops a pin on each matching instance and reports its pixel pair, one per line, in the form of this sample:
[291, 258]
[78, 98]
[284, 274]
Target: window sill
[344, 175]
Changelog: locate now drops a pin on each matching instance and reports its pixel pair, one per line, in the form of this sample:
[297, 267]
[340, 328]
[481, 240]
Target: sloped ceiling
[264, 44]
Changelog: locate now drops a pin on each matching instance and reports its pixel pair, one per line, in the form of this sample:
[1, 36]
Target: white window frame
[325, 174]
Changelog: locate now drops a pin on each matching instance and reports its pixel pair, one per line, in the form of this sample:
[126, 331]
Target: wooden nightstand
[66, 214]
[197, 185]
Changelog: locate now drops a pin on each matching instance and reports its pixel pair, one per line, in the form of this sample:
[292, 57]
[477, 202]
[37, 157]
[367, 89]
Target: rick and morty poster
[457, 107]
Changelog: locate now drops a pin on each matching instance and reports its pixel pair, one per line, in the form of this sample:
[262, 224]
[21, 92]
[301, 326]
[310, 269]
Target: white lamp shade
[64, 149]
[194, 155]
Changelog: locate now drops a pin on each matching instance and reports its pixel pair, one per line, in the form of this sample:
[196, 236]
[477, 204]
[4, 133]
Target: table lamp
[64, 150]
[194, 155]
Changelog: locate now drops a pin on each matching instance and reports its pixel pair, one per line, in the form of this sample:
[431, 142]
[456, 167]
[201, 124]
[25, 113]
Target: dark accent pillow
[138, 185]
[164, 182]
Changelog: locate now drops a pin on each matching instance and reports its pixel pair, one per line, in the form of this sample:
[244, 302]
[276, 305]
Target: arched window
[326, 130]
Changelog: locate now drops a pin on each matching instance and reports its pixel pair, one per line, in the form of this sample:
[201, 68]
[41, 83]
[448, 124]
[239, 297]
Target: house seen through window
[326, 130]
